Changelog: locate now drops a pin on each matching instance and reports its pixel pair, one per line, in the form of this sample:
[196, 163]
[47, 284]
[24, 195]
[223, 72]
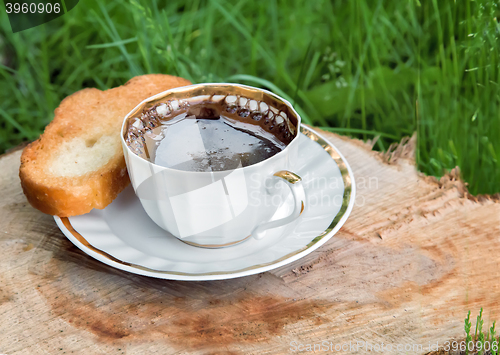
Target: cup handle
[295, 183]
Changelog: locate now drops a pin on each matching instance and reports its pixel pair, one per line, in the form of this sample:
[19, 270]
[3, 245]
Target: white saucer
[123, 236]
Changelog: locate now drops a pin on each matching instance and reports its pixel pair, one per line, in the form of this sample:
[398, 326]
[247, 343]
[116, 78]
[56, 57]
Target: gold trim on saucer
[346, 199]
[215, 246]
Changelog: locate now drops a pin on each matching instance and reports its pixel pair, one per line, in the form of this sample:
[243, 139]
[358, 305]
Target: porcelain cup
[220, 208]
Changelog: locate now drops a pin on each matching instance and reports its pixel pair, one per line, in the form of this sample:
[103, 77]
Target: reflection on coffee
[207, 135]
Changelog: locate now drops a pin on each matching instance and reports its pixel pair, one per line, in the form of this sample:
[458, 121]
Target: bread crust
[88, 114]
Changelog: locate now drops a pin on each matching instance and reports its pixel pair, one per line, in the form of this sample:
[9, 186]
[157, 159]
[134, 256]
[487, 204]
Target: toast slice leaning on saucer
[77, 164]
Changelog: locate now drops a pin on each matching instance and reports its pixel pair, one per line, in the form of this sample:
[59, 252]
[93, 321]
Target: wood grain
[413, 258]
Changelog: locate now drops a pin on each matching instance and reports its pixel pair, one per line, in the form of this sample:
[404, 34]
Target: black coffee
[204, 137]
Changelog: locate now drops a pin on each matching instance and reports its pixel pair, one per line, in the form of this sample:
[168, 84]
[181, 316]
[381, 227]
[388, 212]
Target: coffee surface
[205, 137]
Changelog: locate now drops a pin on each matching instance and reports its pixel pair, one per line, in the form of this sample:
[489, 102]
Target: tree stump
[415, 255]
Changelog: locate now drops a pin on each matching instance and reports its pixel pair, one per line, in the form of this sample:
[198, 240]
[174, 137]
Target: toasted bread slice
[77, 164]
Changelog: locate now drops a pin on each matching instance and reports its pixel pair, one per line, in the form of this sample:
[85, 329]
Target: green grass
[477, 342]
[364, 68]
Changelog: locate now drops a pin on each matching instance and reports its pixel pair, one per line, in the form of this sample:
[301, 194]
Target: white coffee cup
[219, 208]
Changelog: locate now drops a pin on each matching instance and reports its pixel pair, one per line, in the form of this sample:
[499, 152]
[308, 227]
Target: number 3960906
[33, 8]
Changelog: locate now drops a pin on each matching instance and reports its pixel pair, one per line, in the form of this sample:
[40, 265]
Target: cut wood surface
[414, 256]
